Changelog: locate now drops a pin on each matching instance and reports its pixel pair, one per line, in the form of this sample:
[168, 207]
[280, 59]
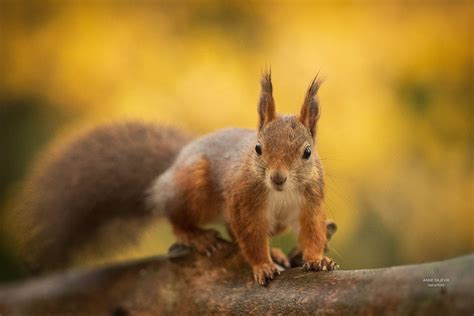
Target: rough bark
[187, 283]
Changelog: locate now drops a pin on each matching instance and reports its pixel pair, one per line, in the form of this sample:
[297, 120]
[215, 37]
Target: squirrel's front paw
[265, 272]
[325, 264]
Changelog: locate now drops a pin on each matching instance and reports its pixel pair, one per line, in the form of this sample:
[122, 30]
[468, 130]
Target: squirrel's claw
[210, 249]
[205, 241]
[325, 264]
[265, 272]
[333, 266]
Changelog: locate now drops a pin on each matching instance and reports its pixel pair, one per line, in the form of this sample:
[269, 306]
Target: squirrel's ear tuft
[310, 110]
[266, 106]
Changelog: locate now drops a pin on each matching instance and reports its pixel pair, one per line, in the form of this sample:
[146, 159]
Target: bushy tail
[94, 181]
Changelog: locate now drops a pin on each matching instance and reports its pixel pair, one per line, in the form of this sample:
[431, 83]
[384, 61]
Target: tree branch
[187, 283]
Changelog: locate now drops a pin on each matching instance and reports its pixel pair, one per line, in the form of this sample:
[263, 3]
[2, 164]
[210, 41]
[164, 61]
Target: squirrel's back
[198, 177]
[222, 149]
[96, 179]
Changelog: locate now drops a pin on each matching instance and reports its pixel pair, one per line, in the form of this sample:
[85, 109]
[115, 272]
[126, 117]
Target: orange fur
[198, 201]
[248, 221]
[312, 236]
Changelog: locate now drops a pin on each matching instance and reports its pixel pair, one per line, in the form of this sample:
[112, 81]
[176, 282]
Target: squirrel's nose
[278, 178]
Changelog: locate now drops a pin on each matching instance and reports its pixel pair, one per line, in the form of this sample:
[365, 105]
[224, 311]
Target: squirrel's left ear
[310, 110]
[266, 105]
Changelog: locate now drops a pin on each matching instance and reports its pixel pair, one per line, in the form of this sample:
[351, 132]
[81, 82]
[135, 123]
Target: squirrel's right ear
[266, 106]
[310, 110]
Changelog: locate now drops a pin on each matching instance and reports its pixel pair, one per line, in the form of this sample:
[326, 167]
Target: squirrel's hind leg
[279, 257]
[196, 204]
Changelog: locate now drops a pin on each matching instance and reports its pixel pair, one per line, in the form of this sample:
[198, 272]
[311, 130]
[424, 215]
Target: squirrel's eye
[307, 152]
[258, 149]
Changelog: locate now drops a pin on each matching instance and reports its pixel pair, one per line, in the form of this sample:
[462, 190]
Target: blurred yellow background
[395, 134]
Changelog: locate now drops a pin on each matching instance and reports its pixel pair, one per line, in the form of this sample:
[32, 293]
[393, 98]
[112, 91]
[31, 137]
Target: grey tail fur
[94, 180]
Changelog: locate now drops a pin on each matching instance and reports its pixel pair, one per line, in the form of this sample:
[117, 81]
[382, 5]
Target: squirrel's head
[285, 151]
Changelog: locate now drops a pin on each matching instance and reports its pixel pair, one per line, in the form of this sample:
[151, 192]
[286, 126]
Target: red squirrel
[259, 182]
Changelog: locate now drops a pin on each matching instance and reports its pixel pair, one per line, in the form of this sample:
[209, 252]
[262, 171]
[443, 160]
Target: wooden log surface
[184, 282]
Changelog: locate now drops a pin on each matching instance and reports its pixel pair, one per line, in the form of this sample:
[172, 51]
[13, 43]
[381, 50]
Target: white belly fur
[283, 209]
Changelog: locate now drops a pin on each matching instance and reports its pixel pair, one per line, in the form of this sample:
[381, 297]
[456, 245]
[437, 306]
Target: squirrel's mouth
[278, 187]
